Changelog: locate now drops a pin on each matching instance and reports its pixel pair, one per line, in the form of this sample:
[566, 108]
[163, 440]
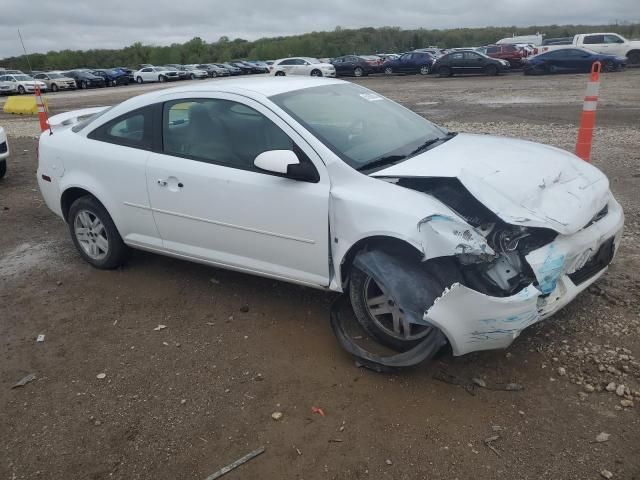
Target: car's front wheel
[139, 80]
[162, 78]
[3, 168]
[54, 87]
[21, 90]
[491, 70]
[425, 70]
[379, 314]
[95, 235]
[609, 66]
[316, 73]
[280, 74]
[444, 72]
[83, 85]
[358, 72]
[192, 76]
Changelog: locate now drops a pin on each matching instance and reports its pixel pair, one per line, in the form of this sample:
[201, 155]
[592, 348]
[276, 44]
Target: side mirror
[286, 162]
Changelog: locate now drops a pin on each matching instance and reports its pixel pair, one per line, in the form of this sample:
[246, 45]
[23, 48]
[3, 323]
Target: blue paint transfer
[550, 271]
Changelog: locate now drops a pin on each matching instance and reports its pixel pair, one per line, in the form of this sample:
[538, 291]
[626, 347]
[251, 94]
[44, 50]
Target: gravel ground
[115, 398]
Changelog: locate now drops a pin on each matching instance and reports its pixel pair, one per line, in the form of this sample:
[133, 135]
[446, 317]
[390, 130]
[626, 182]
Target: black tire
[54, 87]
[280, 74]
[608, 66]
[425, 70]
[139, 80]
[214, 74]
[444, 72]
[193, 77]
[491, 70]
[358, 284]
[358, 72]
[634, 57]
[83, 85]
[117, 251]
[3, 168]
[162, 78]
[316, 73]
[21, 90]
[388, 70]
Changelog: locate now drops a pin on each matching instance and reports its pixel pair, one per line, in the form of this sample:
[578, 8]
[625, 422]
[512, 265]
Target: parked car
[302, 66]
[113, 77]
[56, 81]
[605, 43]
[214, 70]
[195, 72]
[247, 67]
[4, 152]
[11, 72]
[128, 72]
[508, 52]
[469, 61]
[156, 74]
[22, 83]
[353, 65]
[434, 236]
[183, 74]
[411, 62]
[86, 79]
[571, 60]
[262, 66]
[232, 69]
[7, 87]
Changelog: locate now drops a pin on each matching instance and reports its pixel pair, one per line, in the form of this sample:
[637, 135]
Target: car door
[474, 62]
[212, 204]
[615, 45]
[148, 75]
[338, 64]
[301, 67]
[456, 62]
[595, 43]
[287, 66]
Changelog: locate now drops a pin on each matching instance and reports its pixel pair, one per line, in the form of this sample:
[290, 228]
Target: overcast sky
[83, 24]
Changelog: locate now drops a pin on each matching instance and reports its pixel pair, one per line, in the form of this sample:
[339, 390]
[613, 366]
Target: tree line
[340, 41]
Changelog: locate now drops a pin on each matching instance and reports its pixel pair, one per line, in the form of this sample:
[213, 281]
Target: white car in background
[156, 74]
[195, 72]
[4, 152]
[302, 66]
[22, 83]
[436, 237]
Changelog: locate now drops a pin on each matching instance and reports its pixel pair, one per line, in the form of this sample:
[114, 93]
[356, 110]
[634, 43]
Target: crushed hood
[523, 183]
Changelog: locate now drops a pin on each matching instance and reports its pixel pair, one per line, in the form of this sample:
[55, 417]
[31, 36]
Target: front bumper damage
[474, 321]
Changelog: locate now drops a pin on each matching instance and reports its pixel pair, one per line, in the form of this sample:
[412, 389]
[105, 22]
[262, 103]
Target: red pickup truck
[507, 52]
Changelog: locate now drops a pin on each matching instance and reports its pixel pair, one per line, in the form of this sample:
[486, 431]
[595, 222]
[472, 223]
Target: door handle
[162, 183]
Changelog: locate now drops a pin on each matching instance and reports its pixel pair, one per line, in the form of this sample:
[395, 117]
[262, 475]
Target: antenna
[25, 52]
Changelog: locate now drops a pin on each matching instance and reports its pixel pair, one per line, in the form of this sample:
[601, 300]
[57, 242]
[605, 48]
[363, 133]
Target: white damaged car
[435, 236]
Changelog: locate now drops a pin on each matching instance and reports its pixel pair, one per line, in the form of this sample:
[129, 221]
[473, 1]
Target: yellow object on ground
[23, 105]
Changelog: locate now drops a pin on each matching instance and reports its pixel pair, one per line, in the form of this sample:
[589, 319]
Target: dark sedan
[113, 77]
[232, 70]
[352, 65]
[86, 79]
[571, 60]
[469, 61]
[412, 62]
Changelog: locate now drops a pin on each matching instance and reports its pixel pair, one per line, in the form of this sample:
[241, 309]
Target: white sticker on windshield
[372, 97]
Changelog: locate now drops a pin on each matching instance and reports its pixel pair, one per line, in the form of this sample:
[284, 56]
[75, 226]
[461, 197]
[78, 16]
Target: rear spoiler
[73, 117]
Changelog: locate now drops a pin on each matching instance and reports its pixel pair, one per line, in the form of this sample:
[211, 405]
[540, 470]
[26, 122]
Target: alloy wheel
[91, 234]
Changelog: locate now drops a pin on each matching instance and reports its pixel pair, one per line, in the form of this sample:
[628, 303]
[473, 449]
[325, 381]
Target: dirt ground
[181, 402]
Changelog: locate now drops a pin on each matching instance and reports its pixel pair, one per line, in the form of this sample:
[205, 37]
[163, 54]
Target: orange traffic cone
[42, 110]
[588, 117]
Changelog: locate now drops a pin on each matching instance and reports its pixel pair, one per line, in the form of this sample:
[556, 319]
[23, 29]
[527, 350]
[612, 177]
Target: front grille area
[601, 259]
[3, 147]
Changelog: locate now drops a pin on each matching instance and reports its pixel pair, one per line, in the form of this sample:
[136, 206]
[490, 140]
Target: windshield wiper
[381, 162]
[430, 142]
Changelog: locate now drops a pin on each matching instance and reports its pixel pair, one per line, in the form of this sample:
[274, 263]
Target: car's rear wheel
[139, 80]
[95, 235]
[54, 87]
[425, 70]
[608, 66]
[379, 314]
[280, 74]
[358, 72]
[491, 70]
[114, 83]
[21, 90]
[316, 73]
[634, 57]
[444, 72]
[388, 70]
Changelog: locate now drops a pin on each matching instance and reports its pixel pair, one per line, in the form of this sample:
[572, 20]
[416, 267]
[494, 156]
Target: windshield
[23, 78]
[363, 128]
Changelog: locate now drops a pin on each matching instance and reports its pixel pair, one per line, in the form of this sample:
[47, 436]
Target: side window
[286, 62]
[493, 49]
[456, 56]
[593, 39]
[220, 132]
[612, 39]
[146, 69]
[471, 56]
[132, 129]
